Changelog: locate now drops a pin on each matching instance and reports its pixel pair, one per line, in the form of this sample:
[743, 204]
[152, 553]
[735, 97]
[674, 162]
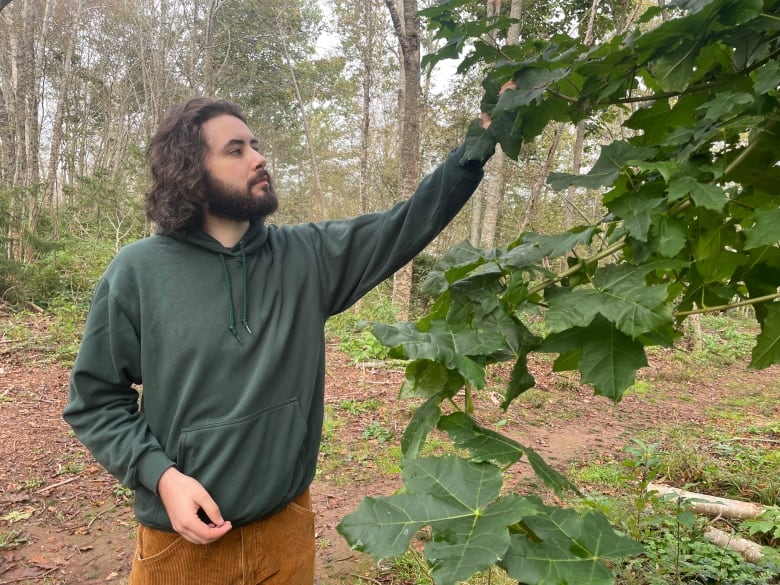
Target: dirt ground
[64, 520]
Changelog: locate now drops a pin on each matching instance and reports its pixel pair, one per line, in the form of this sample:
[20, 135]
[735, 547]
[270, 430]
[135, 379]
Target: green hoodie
[229, 347]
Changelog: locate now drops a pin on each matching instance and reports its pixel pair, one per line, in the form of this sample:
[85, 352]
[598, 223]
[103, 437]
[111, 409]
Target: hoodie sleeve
[357, 254]
[103, 404]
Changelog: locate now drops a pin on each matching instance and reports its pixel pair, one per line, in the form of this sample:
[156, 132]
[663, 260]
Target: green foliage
[744, 467]
[684, 557]
[375, 430]
[474, 527]
[350, 327]
[690, 190]
[767, 525]
[11, 539]
[675, 550]
[362, 346]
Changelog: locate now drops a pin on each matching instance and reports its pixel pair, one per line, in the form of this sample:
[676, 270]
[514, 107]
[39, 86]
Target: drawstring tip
[235, 334]
[246, 326]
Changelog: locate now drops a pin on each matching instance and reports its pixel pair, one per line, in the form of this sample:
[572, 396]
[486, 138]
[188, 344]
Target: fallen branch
[750, 551]
[56, 485]
[710, 505]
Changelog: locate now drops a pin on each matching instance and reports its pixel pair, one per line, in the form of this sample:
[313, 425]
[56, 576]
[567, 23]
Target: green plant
[360, 406]
[375, 430]
[11, 539]
[362, 347]
[766, 526]
[17, 515]
[691, 227]
[123, 493]
[32, 484]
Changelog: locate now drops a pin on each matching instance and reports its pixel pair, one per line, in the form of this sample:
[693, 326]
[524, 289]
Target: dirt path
[64, 520]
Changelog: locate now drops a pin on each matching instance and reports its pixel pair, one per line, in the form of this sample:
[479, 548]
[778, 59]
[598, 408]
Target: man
[221, 318]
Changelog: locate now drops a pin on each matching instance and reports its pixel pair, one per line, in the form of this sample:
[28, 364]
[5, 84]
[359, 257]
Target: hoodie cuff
[151, 466]
[478, 146]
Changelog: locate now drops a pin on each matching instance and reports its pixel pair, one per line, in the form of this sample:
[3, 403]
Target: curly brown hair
[177, 196]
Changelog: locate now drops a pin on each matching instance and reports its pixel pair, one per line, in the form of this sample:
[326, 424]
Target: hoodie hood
[254, 238]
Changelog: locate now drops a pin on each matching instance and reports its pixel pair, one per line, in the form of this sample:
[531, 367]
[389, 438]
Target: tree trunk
[494, 169]
[407, 28]
[491, 197]
[208, 49]
[319, 197]
[579, 140]
[476, 217]
[541, 181]
[367, 59]
[53, 188]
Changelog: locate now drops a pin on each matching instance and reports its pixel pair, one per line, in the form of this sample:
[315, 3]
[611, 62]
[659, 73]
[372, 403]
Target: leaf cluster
[693, 225]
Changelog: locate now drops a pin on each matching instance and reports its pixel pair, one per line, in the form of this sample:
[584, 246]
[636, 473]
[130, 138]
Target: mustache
[260, 177]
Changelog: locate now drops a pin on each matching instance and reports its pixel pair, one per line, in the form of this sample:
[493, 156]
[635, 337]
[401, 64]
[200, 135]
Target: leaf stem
[745, 153]
[744, 303]
[608, 251]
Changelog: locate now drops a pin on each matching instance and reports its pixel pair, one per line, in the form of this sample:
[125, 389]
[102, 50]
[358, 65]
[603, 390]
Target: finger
[210, 509]
[200, 533]
[508, 85]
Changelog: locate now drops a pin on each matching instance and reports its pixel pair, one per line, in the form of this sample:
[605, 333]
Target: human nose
[258, 160]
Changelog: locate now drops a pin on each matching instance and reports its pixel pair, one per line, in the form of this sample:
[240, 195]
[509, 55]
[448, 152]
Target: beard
[229, 202]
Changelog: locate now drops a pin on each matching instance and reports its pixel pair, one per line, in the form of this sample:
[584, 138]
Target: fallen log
[712, 506]
[750, 551]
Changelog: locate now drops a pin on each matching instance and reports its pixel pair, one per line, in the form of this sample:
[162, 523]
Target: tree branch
[719, 308]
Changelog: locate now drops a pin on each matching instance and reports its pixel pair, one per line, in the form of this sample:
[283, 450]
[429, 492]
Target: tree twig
[56, 485]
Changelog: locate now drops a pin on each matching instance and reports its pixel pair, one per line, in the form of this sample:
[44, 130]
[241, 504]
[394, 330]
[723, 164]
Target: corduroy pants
[278, 550]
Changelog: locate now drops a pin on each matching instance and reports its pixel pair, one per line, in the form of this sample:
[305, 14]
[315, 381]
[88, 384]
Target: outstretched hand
[183, 497]
[484, 119]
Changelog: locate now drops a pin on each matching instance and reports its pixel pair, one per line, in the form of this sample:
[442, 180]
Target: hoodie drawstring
[229, 286]
[245, 315]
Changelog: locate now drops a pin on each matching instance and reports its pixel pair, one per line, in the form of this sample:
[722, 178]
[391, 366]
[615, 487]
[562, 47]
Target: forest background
[673, 109]
[346, 116]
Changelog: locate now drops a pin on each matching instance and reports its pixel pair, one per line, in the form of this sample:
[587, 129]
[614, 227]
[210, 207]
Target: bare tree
[318, 196]
[367, 60]
[486, 212]
[406, 23]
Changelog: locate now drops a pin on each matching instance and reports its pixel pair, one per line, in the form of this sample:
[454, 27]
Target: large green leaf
[605, 357]
[607, 168]
[766, 231]
[703, 195]
[470, 523]
[449, 345]
[423, 421]
[565, 548]
[520, 380]
[461, 503]
[458, 262]
[553, 246]
[619, 293]
[767, 349]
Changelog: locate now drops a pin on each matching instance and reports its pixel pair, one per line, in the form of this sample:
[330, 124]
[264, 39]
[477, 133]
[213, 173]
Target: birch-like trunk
[407, 28]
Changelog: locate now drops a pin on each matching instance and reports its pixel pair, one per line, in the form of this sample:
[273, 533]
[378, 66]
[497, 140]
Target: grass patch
[716, 462]
[704, 460]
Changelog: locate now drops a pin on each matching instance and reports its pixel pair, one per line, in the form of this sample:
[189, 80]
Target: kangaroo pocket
[248, 465]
